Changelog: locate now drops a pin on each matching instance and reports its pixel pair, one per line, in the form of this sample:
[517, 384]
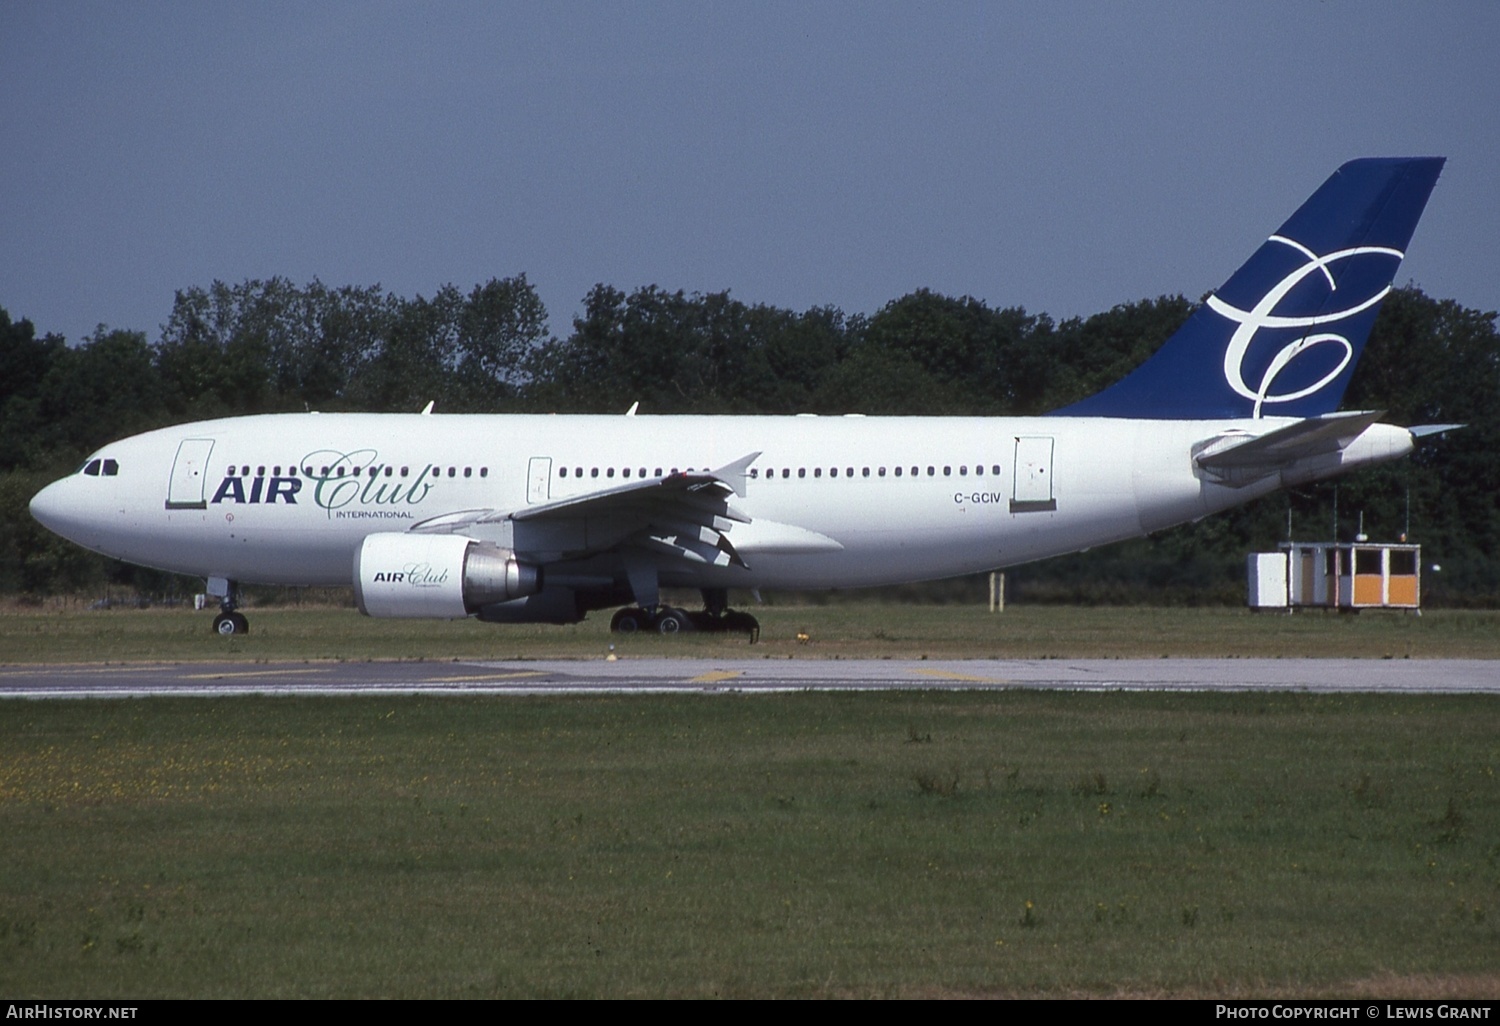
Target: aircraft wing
[685, 515]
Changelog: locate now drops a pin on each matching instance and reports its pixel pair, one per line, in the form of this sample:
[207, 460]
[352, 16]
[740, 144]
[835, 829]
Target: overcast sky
[1063, 157]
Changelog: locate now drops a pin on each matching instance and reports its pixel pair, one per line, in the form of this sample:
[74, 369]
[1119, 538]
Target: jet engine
[436, 576]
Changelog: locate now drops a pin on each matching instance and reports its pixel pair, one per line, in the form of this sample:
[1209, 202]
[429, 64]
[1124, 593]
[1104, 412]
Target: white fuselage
[831, 501]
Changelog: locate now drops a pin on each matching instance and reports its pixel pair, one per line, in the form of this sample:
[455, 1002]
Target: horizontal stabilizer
[1314, 436]
[1423, 430]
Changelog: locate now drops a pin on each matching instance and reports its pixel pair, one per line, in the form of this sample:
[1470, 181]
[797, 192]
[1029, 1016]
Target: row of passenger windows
[964, 470]
[291, 471]
[610, 472]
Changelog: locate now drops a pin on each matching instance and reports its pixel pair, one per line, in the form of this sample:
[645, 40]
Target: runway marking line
[714, 676]
[950, 675]
[248, 673]
[483, 677]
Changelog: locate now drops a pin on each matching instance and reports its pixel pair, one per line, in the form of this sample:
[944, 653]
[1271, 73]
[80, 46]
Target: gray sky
[1062, 157]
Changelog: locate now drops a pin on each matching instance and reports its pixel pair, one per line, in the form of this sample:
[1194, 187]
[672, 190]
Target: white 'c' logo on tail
[1261, 316]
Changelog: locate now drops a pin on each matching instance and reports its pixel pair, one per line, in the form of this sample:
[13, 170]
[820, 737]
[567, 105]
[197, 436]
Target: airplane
[525, 519]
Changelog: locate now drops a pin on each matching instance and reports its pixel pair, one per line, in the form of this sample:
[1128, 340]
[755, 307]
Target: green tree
[24, 363]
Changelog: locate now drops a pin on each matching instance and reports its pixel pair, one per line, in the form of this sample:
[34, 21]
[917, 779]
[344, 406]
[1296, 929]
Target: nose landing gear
[228, 623]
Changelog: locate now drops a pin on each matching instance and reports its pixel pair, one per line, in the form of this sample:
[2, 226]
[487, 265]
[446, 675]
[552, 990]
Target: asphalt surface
[689, 676]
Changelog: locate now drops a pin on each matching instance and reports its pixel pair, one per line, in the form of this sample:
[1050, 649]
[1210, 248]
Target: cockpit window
[94, 468]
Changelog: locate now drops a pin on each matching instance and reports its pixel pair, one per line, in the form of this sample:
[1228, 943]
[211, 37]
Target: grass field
[806, 845]
[912, 844]
[867, 631]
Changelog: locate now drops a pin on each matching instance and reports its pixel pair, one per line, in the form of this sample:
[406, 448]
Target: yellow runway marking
[487, 676]
[714, 676]
[949, 675]
[247, 673]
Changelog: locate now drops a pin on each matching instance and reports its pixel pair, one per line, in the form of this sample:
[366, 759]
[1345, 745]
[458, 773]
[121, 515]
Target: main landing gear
[715, 616]
[230, 623]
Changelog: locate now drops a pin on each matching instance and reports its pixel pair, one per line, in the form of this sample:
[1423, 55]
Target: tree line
[273, 346]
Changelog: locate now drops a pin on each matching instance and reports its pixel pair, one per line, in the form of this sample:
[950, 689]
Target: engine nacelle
[436, 576]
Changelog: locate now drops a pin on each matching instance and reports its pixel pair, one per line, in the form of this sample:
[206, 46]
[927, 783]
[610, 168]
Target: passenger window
[867, 472]
[484, 471]
[658, 472]
[801, 471]
[833, 472]
[931, 471]
[963, 471]
[786, 472]
[452, 471]
[468, 472]
[882, 472]
[593, 472]
[562, 471]
[898, 471]
[642, 473]
[817, 471]
[610, 472]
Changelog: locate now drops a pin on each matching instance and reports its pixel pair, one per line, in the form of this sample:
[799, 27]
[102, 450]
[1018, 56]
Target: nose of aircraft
[57, 508]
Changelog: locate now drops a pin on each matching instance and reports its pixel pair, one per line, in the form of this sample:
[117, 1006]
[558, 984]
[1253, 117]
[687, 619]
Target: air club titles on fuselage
[345, 485]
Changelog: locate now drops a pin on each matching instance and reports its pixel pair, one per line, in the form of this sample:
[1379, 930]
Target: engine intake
[436, 576]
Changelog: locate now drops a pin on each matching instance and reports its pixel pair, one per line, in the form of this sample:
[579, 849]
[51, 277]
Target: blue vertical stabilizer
[1283, 334]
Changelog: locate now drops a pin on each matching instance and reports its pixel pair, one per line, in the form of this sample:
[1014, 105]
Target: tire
[628, 621]
[672, 621]
[228, 625]
[742, 623]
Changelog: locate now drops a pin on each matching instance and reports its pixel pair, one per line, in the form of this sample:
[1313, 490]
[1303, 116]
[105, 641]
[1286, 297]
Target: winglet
[734, 474]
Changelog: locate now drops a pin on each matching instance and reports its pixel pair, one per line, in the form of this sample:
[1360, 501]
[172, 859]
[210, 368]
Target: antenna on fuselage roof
[427, 410]
[633, 407]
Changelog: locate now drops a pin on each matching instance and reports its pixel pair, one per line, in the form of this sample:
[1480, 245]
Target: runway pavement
[689, 676]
